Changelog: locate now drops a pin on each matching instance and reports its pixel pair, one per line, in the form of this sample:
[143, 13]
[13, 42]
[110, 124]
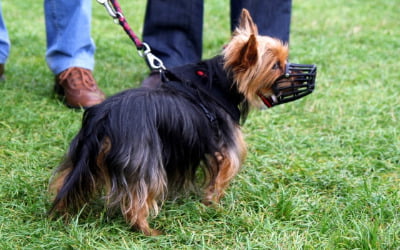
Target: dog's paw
[208, 203]
[153, 232]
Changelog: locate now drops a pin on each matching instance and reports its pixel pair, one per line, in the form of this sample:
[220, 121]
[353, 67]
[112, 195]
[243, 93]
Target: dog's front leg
[221, 170]
[226, 166]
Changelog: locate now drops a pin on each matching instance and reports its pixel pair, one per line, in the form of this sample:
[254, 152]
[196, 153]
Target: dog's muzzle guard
[297, 82]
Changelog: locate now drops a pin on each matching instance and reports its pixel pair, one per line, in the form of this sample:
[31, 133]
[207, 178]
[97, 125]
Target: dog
[144, 144]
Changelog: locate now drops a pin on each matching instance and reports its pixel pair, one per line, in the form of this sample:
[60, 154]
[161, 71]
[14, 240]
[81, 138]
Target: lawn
[322, 172]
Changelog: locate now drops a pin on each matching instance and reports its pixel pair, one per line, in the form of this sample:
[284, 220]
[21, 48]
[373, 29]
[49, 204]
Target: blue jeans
[173, 28]
[4, 40]
[68, 27]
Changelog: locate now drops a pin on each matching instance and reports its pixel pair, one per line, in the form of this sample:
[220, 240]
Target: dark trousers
[174, 28]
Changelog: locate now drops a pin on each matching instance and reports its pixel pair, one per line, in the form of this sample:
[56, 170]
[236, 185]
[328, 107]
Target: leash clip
[111, 11]
[153, 61]
[114, 10]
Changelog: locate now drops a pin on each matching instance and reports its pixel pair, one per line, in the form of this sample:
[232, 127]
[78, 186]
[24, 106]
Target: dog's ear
[248, 54]
[241, 58]
[246, 23]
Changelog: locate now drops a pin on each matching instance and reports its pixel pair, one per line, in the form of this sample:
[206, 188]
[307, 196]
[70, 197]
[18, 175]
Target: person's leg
[271, 16]
[70, 51]
[68, 27]
[4, 44]
[173, 29]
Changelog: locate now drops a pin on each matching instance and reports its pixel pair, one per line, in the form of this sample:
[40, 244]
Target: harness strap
[194, 94]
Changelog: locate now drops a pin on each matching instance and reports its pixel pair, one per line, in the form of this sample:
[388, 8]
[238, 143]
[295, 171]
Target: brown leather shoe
[78, 87]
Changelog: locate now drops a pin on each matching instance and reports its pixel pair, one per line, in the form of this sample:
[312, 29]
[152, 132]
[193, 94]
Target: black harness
[206, 83]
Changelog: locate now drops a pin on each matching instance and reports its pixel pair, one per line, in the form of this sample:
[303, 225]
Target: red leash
[114, 10]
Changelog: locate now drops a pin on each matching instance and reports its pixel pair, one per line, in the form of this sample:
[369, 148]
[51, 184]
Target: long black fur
[158, 136]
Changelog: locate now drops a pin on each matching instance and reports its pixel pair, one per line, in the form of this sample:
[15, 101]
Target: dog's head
[260, 68]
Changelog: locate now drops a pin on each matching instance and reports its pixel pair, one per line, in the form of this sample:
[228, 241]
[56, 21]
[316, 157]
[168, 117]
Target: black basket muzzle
[297, 82]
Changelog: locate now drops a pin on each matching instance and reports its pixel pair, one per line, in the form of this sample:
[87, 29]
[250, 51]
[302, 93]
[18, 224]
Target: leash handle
[114, 10]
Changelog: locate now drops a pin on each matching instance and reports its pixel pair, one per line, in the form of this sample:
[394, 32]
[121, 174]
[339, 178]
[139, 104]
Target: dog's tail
[74, 181]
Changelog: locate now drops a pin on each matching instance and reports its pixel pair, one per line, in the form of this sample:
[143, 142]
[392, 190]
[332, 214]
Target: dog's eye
[276, 66]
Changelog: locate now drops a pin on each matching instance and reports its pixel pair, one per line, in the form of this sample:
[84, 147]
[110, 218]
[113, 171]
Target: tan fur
[228, 164]
[251, 57]
[105, 178]
[136, 211]
[56, 184]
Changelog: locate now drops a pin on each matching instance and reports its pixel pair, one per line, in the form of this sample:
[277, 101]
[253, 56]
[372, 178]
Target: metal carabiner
[109, 8]
[153, 61]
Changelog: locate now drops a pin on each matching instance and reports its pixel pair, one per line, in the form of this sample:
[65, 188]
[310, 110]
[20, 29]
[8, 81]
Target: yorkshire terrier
[142, 144]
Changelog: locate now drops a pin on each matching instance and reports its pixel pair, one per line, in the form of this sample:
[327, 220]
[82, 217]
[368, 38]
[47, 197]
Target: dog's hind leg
[227, 165]
[57, 182]
[142, 223]
[136, 215]
[104, 177]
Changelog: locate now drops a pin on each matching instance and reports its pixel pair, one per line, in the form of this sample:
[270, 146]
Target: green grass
[322, 172]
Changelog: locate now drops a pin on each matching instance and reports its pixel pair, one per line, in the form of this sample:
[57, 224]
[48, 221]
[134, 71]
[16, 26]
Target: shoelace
[78, 76]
